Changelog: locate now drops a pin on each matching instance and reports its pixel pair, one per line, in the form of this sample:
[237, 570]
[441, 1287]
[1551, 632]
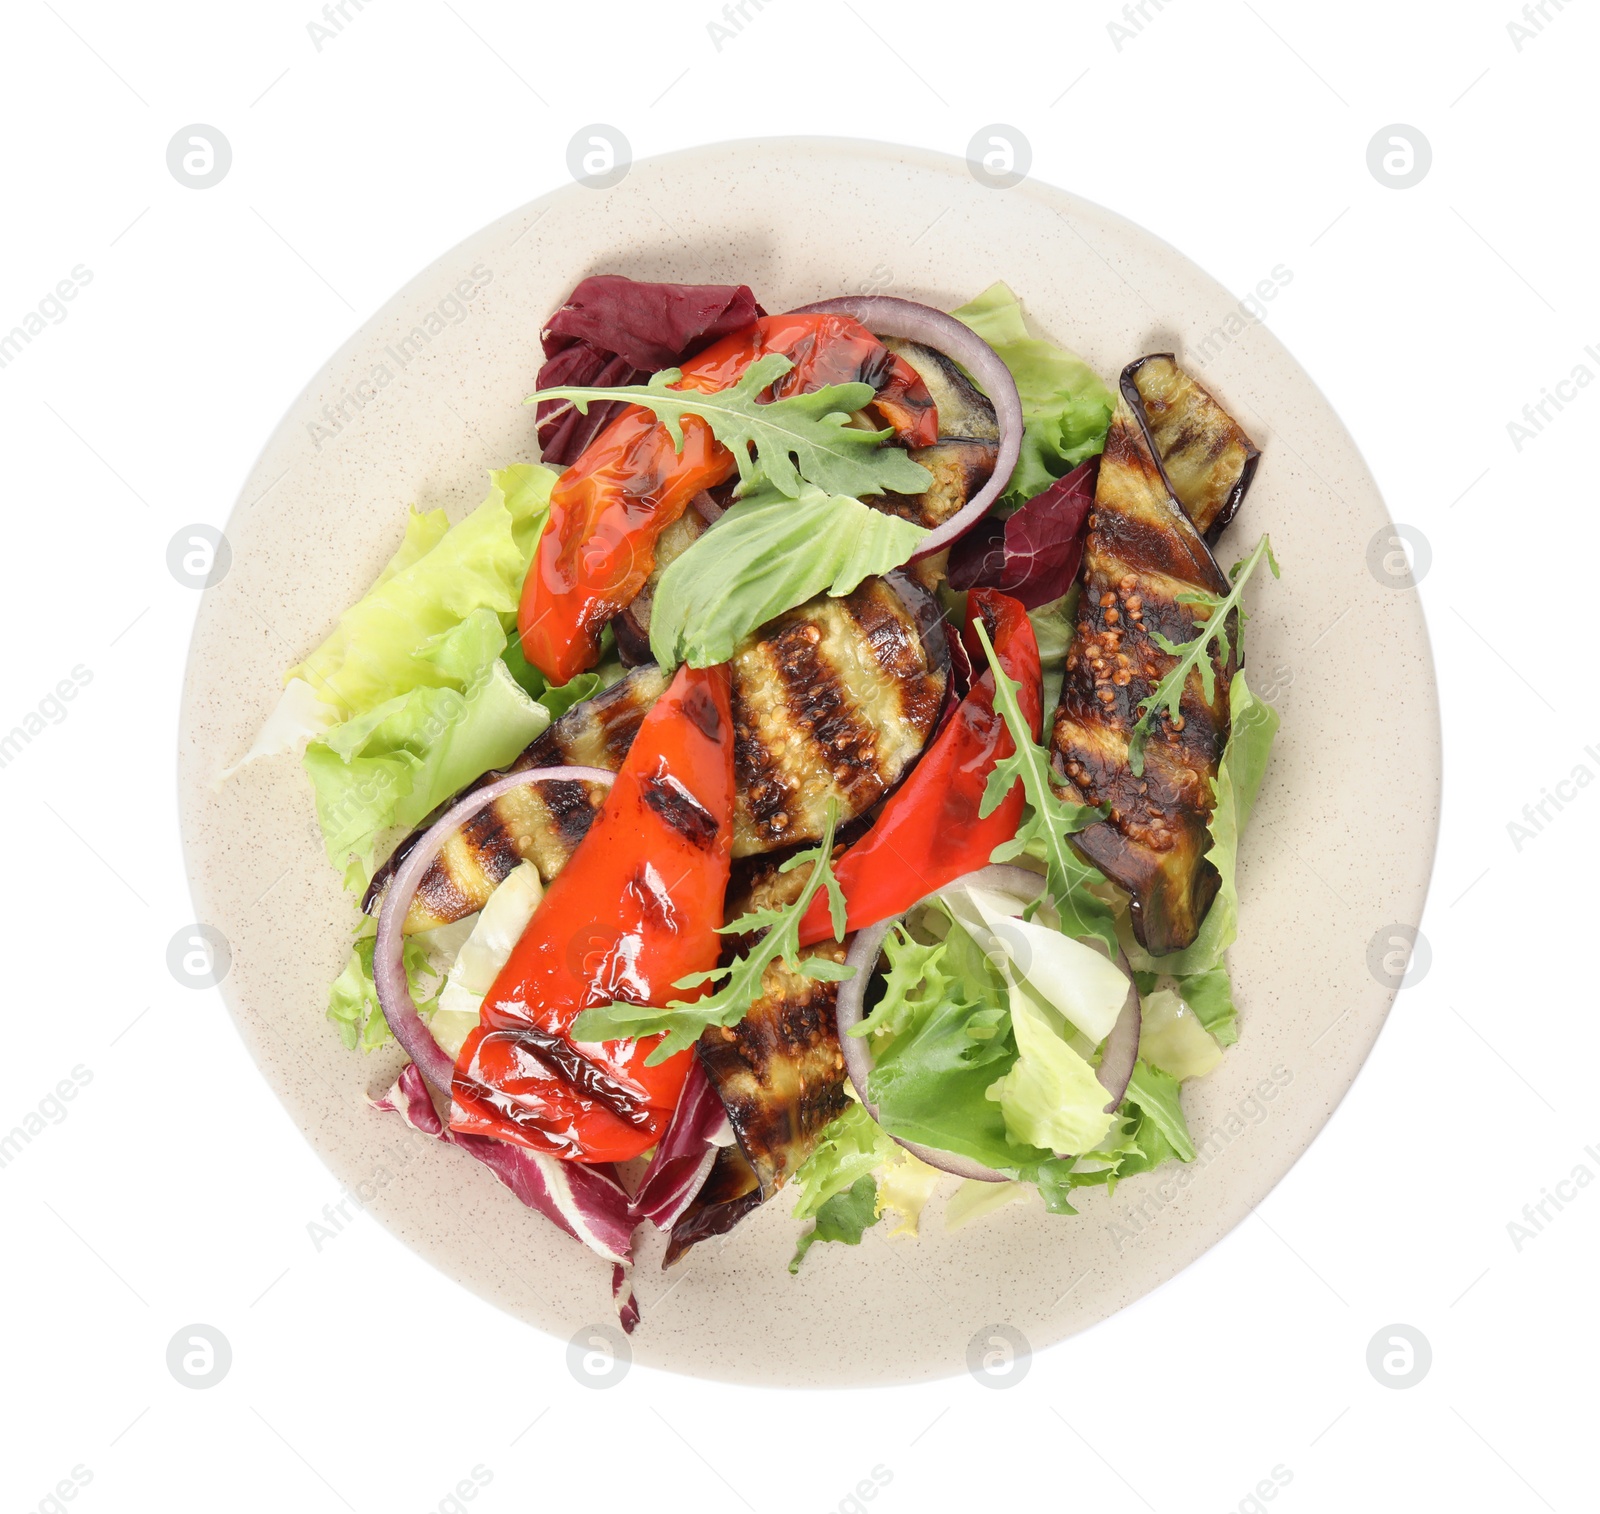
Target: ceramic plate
[426, 397]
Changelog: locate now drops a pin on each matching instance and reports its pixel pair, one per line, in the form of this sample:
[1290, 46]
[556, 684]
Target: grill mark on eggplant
[570, 811]
[779, 1073]
[1141, 552]
[883, 642]
[1206, 457]
[964, 410]
[765, 795]
[820, 703]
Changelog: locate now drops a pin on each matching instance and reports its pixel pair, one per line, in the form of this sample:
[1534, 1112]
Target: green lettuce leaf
[845, 1217]
[353, 998]
[1050, 1098]
[392, 765]
[1053, 628]
[1155, 1095]
[1238, 781]
[767, 554]
[432, 584]
[1210, 996]
[914, 984]
[943, 1052]
[1066, 410]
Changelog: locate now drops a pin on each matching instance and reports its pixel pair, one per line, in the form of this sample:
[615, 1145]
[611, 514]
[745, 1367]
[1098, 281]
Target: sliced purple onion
[1117, 1057]
[388, 973]
[884, 315]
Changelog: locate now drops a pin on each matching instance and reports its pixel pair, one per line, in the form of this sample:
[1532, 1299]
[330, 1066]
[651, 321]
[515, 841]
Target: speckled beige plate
[427, 397]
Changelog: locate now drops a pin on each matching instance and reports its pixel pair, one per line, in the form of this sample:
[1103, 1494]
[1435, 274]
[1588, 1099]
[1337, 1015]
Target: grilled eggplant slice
[962, 460]
[1142, 551]
[963, 409]
[1208, 459]
[833, 700]
[730, 1192]
[542, 823]
[779, 1073]
[632, 626]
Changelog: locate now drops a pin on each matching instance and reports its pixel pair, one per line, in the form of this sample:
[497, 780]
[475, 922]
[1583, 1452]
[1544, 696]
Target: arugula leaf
[800, 439]
[1050, 819]
[767, 554]
[846, 1217]
[1194, 654]
[739, 984]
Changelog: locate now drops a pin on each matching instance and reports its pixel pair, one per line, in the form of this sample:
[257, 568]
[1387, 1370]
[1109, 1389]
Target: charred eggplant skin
[1208, 460]
[729, 1193]
[1141, 553]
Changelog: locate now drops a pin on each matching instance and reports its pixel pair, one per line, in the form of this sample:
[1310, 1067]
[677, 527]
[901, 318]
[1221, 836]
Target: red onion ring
[388, 973]
[1116, 1060]
[884, 315]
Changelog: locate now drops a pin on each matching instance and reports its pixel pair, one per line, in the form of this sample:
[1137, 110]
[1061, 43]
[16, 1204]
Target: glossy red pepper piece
[636, 909]
[930, 832]
[610, 507]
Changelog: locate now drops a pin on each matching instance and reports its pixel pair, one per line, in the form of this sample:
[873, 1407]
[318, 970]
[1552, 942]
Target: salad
[821, 773]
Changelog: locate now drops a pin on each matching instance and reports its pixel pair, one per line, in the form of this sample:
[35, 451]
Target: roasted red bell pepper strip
[636, 909]
[608, 509]
[930, 832]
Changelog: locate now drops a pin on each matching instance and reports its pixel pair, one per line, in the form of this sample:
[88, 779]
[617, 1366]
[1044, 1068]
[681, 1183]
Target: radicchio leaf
[614, 331]
[585, 1200]
[1034, 554]
[683, 1159]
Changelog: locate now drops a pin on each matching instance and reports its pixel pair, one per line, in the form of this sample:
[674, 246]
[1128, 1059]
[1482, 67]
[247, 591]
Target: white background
[176, 1191]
